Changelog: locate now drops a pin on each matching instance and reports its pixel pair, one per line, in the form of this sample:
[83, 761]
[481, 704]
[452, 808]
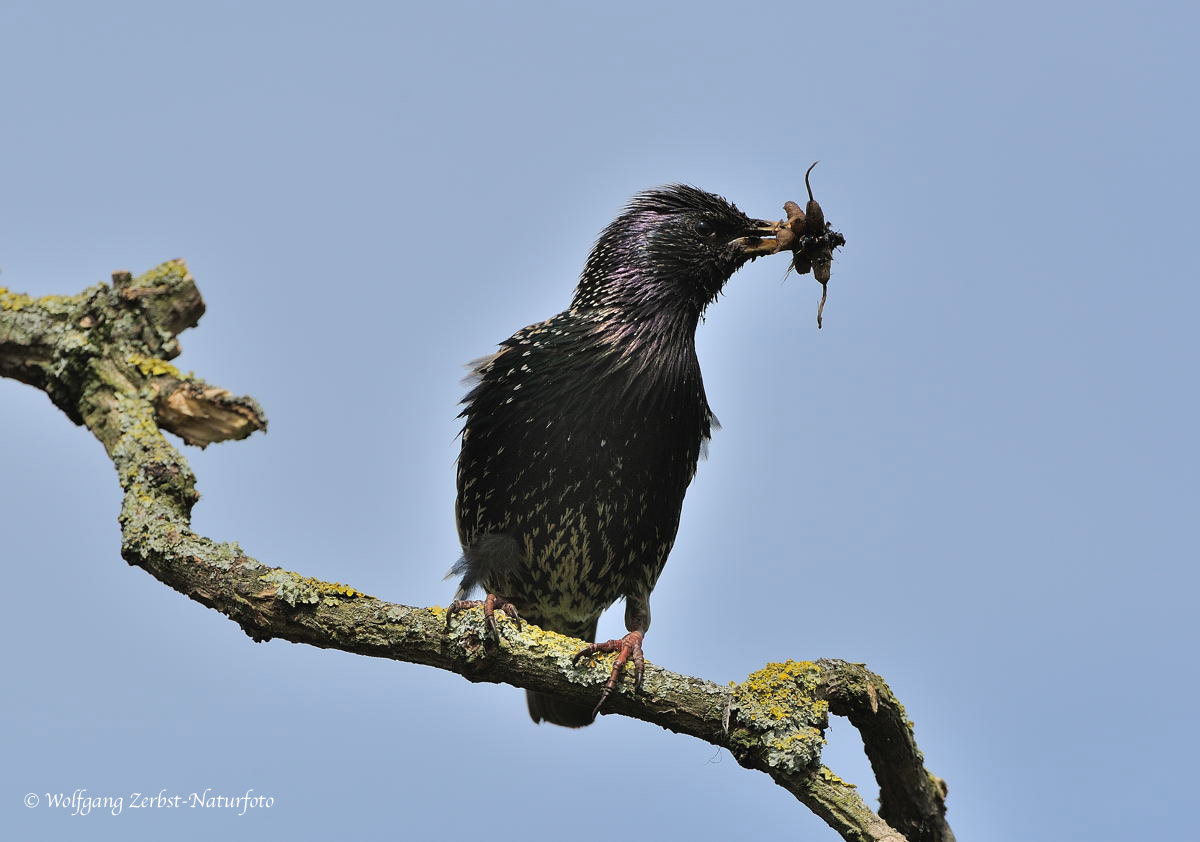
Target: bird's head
[673, 247]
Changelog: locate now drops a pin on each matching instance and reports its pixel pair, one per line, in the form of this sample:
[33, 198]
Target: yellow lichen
[295, 589]
[779, 714]
[335, 588]
[778, 687]
[154, 367]
[13, 300]
[172, 270]
[828, 774]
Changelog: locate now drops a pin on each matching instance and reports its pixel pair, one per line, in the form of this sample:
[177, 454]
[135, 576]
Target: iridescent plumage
[583, 432]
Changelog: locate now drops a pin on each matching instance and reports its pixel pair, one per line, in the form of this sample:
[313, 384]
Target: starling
[582, 432]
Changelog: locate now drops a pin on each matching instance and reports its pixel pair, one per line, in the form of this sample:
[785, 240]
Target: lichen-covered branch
[60, 344]
[102, 357]
[910, 799]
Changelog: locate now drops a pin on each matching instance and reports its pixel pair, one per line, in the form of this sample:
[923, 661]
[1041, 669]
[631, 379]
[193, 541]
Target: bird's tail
[555, 709]
[558, 711]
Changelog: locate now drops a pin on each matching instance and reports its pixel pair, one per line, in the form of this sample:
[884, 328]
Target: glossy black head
[673, 246]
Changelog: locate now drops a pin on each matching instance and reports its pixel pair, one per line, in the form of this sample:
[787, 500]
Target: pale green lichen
[779, 715]
[467, 630]
[295, 589]
[397, 613]
[139, 442]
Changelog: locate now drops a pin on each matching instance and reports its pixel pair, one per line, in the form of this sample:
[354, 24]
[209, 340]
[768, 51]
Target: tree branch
[102, 357]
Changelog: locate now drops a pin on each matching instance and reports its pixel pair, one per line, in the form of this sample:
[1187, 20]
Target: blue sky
[980, 478]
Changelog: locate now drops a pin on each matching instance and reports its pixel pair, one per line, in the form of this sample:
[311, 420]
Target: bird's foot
[490, 604]
[628, 646]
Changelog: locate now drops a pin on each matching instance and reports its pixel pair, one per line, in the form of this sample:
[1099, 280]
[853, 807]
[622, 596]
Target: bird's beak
[761, 238]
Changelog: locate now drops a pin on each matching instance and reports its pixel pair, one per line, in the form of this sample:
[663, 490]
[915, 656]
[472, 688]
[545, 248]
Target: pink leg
[627, 646]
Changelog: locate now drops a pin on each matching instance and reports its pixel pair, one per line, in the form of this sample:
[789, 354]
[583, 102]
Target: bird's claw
[626, 647]
[489, 604]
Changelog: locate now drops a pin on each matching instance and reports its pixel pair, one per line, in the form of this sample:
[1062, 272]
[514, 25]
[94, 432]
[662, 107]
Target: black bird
[582, 432]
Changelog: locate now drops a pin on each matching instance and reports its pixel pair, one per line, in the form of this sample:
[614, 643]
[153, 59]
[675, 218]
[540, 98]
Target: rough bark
[102, 357]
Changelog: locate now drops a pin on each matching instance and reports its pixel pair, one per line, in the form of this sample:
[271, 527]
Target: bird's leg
[637, 621]
[629, 645]
[490, 604]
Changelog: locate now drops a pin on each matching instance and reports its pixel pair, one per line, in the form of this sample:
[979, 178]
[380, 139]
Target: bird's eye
[705, 228]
